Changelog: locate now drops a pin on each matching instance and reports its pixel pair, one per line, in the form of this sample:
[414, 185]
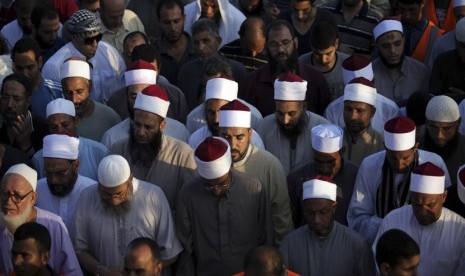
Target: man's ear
[384, 269]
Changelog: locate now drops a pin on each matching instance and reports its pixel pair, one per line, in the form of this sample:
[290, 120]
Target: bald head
[142, 256]
[111, 13]
[263, 261]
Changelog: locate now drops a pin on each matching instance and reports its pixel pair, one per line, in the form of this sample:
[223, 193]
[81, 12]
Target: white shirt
[107, 65]
[201, 134]
[442, 246]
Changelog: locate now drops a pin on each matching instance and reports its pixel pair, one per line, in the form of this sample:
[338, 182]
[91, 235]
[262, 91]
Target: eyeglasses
[276, 45]
[59, 174]
[443, 129]
[223, 186]
[119, 196]
[90, 40]
[14, 197]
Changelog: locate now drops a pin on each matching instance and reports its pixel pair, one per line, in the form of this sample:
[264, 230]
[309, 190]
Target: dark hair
[323, 35]
[263, 261]
[311, 1]
[22, 80]
[247, 22]
[218, 64]
[154, 248]
[37, 232]
[24, 5]
[410, 2]
[205, 25]
[169, 4]
[416, 107]
[25, 45]
[145, 52]
[278, 24]
[395, 245]
[40, 12]
[133, 35]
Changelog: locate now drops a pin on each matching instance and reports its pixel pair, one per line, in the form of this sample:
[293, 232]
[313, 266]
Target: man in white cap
[17, 197]
[116, 211]
[234, 123]
[446, 76]
[84, 29]
[219, 91]
[397, 76]
[357, 66]
[94, 118]
[138, 76]
[153, 156]
[328, 160]
[383, 179]
[287, 133]
[438, 231]
[61, 188]
[221, 215]
[323, 246]
[360, 139]
[442, 137]
[61, 117]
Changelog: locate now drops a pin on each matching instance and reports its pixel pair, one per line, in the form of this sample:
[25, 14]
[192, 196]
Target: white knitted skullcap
[113, 171]
[442, 109]
[25, 171]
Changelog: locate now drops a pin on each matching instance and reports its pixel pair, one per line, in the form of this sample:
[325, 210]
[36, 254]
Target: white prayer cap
[458, 3]
[356, 66]
[427, 178]
[442, 109]
[234, 114]
[290, 87]
[221, 89]
[360, 90]
[75, 68]
[399, 134]
[385, 26]
[461, 183]
[327, 138]
[153, 99]
[140, 72]
[213, 157]
[460, 30]
[61, 106]
[61, 146]
[320, 187]
[25, 171]
[113, 171]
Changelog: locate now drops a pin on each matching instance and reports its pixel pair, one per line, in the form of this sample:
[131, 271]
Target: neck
[180, 43]
[89, 110]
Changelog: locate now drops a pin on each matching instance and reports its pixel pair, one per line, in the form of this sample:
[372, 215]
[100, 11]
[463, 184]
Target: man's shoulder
[104, 109]
[373, 160]
[52, 85]
[50, 219]
[59, 56]
[175, 146]
[93, 145]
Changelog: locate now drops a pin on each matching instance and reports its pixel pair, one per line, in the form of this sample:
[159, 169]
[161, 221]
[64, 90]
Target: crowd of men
[240, 137]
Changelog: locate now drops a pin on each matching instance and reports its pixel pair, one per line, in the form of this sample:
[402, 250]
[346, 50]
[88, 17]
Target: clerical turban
[360, 90]
[327, 138]
[140, 72]
[399, 134]
[460, 30]
[113, 171]
[461, 183]
[442, 109]
[356, 66]
[75, 68]
[320, 187]
[213, 158]
[234, 114]
[153, 99]
[221, 89]
[290, 87]
[25, 171]
[61, 146]
[61, 106]
[385, 26]
[427, 178]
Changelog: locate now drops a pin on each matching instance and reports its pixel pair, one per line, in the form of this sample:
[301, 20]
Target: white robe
[442, 246]
[230, 22]
[361, 214]
[201, 134]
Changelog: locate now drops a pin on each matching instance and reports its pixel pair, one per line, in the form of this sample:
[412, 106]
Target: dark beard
[446, 151]
[290, 65]
[144, 154]
[64, 189]
[297, 129]
[392, 66]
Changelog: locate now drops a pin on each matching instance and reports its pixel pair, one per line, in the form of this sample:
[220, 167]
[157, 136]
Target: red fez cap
[211, 149]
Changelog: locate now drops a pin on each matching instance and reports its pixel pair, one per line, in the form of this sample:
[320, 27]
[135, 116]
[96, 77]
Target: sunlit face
[48, 31]
[289, 113]
[14, 101]
[405, 267]
[391, 48]
[238, 139]
[319, 214]
[212, 109]
[401, 161]
[27, 258]
[301, 10]
[172, 23]
[327, 164]
[357, 116]
[427, 208]
[139, 262]
[77, 90]
[16, 185]
[146, 126]
[410, 13]
[28, 65]
[210, 9]
[442, 133]
[205, 44]
[87, 45]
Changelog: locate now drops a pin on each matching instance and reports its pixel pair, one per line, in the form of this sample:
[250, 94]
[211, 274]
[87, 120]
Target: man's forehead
[210, 2]
[15, 182]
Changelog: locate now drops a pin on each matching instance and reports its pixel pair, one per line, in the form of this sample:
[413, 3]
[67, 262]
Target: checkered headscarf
[83, 23]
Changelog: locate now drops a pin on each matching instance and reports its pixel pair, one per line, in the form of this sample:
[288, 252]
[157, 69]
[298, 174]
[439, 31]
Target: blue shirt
[48, 91]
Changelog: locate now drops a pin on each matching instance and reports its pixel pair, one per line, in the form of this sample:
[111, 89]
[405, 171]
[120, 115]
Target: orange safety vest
[425, 45]
[449, 20]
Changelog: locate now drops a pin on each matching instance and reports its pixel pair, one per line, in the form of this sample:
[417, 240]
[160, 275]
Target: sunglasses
[90, 40]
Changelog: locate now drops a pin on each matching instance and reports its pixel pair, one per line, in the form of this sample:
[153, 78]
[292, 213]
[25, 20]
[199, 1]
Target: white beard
[13, 222]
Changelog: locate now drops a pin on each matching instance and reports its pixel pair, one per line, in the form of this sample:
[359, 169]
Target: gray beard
[120, 210]
[12, 223]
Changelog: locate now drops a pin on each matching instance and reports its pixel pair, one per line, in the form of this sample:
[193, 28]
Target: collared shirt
[47, 91]
[441, 242]
[169, 67]
[106, 235]
[362, 209]
[235, 52]
[62, 257]
[413, 77]
[65, 206]
[280, 145]
[102, 119]
[130, 23]
[202, 133]
[341, 253]
[237, 222]
[107, 65]
[367, 143]
[90, 154]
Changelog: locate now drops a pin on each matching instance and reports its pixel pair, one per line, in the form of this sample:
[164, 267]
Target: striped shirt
[235, 52]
